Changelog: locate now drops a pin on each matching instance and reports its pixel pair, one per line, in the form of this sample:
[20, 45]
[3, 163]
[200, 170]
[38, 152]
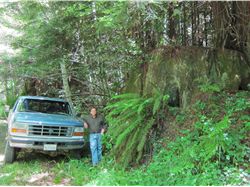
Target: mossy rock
[178, 71]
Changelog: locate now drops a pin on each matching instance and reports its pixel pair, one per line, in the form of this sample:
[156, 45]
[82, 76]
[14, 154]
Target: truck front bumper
[38, 143]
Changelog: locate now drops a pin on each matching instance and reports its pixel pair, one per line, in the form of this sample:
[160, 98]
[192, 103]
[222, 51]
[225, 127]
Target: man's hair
[92, 107]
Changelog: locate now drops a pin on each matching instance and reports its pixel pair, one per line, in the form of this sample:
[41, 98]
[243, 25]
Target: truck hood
[48, 119]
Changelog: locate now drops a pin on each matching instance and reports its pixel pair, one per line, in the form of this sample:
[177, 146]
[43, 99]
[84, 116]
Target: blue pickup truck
[43, 123]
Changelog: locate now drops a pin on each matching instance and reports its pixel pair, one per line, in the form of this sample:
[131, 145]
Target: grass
[74, 172]
[18, 173]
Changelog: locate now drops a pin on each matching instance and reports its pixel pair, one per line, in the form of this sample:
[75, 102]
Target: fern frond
[215, 140]
[165, 98]
[144, 104]
[126, 96]
[157, 103]
[144, 133]
[127, 131]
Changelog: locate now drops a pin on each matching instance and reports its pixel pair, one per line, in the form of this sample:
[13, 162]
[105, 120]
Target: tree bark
[171, 33]
[184, 34]
[66, 84]
[221, 19]
[232, 26]
[205, 27]
[239, 34]
[193, 20]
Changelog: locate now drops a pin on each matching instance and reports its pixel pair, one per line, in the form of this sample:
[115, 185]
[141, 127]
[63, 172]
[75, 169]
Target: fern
[157, 104]
[126, 96]
[144, 134]
[131, 117]
[128, 130]
[158, 100]
[215, 141]
[143, 105]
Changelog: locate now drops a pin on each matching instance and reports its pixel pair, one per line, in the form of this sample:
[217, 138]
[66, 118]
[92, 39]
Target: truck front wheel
[9, 153]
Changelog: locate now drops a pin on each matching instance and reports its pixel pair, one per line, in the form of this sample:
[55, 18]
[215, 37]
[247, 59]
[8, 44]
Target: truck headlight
[19, 128]
[78, 131]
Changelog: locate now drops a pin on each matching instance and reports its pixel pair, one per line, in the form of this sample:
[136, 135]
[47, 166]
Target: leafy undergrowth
[212, 150]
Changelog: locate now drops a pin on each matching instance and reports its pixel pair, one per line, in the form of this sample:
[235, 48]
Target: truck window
[44, 106]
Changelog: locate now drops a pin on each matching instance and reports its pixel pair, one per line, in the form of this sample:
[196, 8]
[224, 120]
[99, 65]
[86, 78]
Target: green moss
[179, 68]
[133, 83]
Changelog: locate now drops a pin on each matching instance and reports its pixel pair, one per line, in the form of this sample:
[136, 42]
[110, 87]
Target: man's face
[93, 112]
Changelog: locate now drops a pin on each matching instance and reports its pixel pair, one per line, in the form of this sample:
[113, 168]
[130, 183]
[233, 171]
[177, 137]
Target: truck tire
[9, 153]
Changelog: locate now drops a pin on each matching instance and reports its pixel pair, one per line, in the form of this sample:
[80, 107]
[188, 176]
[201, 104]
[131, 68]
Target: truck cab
[42, 123]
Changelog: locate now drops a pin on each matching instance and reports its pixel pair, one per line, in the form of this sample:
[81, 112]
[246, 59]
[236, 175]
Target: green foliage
[205, 85]
[107, 142]
[238, 103]
[199, 105]
[208, 155]
[11, 97]
[209, 88]
[193, 160]
[180, 118]
[215, 140]
[2, 109]
[131, 118]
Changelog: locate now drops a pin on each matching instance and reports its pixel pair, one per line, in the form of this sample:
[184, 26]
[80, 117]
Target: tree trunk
[66, 84]
[240, 32]
[184, 34]
[232, 26]
[205, 28]
[221, 19]
[199, 30]
[193, 16]
[165, 24]
[246, 47]
[171, 26]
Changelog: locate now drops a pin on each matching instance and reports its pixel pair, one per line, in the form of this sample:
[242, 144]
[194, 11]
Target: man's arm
[102, 131]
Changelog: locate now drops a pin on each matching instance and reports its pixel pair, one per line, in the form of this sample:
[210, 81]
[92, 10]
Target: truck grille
[44, 130]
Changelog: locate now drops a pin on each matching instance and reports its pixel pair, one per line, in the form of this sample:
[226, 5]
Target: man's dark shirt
[95, 124]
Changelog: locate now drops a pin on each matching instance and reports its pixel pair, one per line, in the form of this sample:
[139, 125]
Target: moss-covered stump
[179, 71]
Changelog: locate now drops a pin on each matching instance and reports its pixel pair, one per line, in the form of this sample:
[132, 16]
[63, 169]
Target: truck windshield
[44, 106]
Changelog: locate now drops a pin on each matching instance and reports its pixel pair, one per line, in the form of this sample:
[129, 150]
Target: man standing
[95, 123]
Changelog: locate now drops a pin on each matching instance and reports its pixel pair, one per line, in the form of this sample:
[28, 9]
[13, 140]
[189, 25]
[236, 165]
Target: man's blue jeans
[96, 147]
